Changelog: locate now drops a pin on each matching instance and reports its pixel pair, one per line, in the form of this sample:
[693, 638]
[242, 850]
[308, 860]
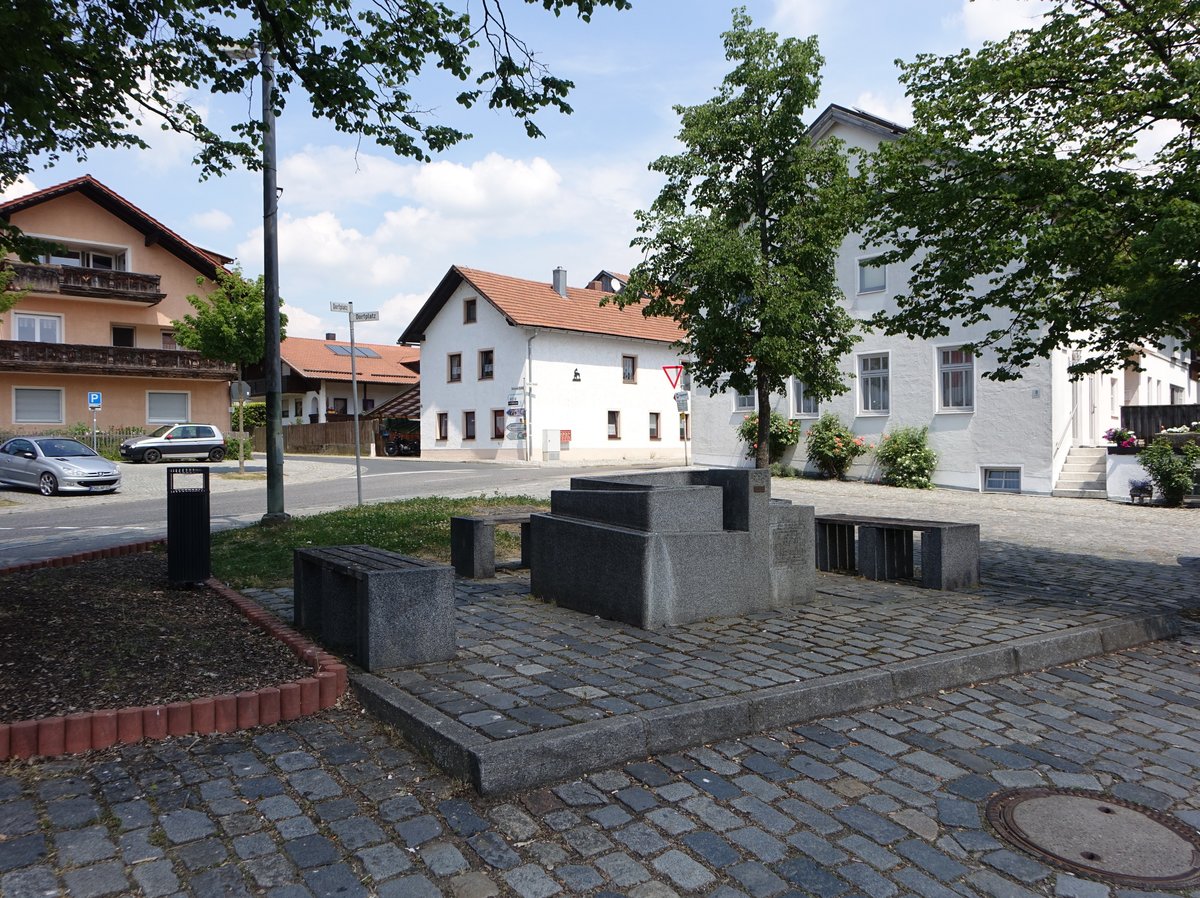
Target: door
[17, 468]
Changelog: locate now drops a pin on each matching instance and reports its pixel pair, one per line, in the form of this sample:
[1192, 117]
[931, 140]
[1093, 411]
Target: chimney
[331, 336]
[560, 281]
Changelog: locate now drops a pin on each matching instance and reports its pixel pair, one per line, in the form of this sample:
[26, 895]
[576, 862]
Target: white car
[57, 464]
[172, 441]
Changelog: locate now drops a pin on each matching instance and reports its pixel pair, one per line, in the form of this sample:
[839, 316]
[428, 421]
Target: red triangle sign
[673, 373]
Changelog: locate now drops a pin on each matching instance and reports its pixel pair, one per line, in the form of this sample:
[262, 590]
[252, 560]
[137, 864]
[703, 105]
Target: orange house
[97, 317]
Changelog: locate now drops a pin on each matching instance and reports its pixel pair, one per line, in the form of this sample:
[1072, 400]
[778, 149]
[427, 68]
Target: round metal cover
[1098, 837]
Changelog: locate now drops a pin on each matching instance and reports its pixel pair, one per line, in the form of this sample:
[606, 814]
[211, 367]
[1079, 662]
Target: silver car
[57, 464]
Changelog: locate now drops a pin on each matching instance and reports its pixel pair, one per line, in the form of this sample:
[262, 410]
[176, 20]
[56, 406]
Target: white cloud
[993, 20]
[896, 109]
[301, 323]
[799, 18]
[214, 220]
[19, 187]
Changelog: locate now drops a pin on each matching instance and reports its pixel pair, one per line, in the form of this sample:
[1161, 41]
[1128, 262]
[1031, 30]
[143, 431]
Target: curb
[497, 767]
[80, 732]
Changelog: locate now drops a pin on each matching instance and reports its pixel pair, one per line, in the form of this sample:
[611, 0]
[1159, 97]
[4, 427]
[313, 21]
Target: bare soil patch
[114, 633]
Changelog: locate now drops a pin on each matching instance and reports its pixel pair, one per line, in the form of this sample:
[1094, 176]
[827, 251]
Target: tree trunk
[241, 424]
[762, 456]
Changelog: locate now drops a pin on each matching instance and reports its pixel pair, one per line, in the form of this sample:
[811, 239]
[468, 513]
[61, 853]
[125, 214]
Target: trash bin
[189, 555]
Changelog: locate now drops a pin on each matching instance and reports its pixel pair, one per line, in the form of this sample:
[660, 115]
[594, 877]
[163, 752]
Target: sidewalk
[880, 802]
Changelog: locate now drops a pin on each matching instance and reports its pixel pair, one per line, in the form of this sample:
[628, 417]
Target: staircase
[1083, 475]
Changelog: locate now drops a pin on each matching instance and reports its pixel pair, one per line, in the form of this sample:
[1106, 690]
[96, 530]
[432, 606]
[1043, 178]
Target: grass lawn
[261, 555]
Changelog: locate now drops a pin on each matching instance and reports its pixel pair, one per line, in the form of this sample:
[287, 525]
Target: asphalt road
[35, 527]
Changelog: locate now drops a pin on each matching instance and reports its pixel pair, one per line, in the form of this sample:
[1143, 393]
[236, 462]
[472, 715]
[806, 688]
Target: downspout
[529, 396]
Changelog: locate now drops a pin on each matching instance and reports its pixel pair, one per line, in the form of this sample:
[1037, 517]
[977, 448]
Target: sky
[359, 224]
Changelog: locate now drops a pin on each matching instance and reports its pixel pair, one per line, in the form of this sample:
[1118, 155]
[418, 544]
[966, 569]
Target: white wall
[554, 401]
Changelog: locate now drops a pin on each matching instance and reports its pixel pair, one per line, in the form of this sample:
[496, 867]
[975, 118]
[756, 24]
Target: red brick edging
[73, 733]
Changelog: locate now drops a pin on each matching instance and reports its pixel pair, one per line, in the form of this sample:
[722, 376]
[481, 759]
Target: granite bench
[473, 543]
[949, 551]
[380, 608]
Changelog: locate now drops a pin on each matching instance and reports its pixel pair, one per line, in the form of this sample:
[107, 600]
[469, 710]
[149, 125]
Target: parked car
[57, 464]
[176, 441]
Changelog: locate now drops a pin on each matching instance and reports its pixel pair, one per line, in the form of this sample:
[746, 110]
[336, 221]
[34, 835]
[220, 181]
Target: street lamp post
[348, 308]
[271, 359]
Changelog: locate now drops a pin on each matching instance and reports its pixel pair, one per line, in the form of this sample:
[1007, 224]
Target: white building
[989, 435]
[525, 370]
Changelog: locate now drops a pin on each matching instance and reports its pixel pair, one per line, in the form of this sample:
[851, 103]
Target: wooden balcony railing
[74, 358]
[92, 282]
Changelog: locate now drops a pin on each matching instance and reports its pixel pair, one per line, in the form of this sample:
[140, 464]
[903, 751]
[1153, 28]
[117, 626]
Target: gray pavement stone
[30, 882]
[96, 880]
[683, 870]
[156, 878]
[21, 852]
[335, 881]
[414, 886]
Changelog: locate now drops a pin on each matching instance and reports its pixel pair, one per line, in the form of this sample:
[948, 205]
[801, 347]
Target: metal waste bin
[189, 547]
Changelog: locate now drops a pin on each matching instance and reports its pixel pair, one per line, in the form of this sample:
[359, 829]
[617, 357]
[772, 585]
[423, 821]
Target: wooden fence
[333, 438]
[1147, 420]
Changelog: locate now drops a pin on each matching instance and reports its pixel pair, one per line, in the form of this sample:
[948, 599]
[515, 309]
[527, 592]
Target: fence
[332, 438]
[1147, 420]
[108, 442]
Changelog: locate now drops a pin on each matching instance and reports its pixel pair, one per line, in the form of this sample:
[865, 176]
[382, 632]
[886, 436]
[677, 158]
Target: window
[486, 367]
[299, 409]
[469, 311]
[871, 278]
[454, 367]
[806, 406]
[614, 425]
[443, 426]
[468, 425]
[1001, 480]
[368, 404]
[122, 336]
[34, 405]
[956, 372]
[873, 384]
[38, 328]
[106, 259]
[629, 369]
[168, 340]
[743, 402]
[655, 433]
[1176, 395]
[341, 406]
[167, 407]
[497, 424]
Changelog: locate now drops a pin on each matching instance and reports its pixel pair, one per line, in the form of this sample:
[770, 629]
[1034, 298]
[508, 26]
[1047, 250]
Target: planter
[1178, 440]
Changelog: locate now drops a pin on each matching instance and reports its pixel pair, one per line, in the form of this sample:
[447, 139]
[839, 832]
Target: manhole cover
[1098, 837]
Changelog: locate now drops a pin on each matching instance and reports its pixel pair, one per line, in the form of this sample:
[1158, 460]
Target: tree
[741, 241]
[8, 296]
[1020, 171]
[228, 326]
[80, 74]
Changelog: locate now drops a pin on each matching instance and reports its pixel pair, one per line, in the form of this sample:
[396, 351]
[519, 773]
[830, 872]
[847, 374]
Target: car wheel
[217, 453]
[48, 484]
[150, 456]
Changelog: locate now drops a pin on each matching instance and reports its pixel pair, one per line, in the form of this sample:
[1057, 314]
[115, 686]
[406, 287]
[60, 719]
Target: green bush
[778, 469]
[833, 447]
[1171, 471]
[785, 432]
[254, 415]
[234, 447]
[906, 459]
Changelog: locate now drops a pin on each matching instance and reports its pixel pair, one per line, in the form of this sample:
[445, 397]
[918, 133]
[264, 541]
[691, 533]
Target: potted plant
[1122, 436]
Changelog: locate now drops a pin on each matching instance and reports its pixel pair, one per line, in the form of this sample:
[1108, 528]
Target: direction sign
[366, 316]
[681, 400]
[516, 430]
[94, 399]
[515, 412]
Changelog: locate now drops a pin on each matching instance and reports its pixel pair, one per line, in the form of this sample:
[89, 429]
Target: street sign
[515, 412]
[366, 316]
[673, 373]
[239, 390]
[516, 430]
[94, 399]
[339, 307]
[681, 400]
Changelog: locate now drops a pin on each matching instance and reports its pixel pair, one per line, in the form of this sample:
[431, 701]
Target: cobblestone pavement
[884, 803]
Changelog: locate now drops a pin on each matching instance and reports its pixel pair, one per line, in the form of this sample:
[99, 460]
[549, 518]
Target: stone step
[1081, 482]
[1098, 467]
[1080, 493]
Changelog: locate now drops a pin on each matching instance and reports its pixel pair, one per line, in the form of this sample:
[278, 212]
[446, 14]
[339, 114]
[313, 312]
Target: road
[39, 527]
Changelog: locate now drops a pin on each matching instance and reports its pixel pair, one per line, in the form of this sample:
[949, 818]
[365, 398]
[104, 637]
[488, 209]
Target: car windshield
[64, 448]
[162, 430]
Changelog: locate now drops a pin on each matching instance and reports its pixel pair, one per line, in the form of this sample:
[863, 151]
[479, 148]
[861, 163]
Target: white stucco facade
[1026, 426]
[537, 366]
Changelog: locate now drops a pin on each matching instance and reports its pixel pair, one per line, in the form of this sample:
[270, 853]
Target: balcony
[98, 283]
[73, 358]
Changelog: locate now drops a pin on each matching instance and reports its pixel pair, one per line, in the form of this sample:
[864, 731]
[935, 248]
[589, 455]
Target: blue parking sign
[94, 399]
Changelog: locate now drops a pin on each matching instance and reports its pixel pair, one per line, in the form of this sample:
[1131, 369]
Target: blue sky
[359, 224]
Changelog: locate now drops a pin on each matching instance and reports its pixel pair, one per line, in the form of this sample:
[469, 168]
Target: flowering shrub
[1194, 427]
[1126, 439]
[784, 432]
[1171, 471]
[832, 446]
[906, 459]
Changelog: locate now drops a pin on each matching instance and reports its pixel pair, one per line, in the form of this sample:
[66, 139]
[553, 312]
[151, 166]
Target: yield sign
[673, 372]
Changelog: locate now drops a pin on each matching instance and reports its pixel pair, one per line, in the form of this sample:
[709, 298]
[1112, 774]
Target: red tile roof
[313, 358]
[204, 261]
[536, 304]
